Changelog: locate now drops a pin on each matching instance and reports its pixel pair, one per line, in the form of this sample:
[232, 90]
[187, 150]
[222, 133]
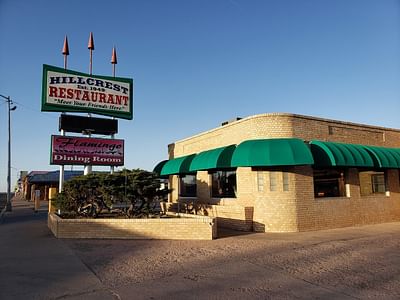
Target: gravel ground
[349, 263]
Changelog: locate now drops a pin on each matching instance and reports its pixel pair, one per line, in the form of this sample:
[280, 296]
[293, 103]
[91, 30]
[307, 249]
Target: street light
[9, 102]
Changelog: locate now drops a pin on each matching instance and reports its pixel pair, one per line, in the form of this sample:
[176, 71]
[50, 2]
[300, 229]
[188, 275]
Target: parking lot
[348, 263]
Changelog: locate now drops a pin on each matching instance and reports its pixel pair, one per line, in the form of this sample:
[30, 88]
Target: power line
[34, 109]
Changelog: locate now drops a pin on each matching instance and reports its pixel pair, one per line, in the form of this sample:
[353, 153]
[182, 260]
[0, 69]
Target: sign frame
[53, 107]
[87, 157]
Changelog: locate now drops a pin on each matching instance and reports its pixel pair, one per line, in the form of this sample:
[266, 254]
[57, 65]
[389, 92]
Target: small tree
[92, 194]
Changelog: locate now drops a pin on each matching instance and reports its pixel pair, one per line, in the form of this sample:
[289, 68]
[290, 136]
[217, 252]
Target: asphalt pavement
[36, 265]
[347, 263]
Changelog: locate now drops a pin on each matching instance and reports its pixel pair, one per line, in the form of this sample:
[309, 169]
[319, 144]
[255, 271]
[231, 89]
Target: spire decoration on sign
[91, 48]
[65, 51]
[114, 60]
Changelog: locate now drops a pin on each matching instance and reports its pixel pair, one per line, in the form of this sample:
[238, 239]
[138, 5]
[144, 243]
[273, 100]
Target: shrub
[136, 192]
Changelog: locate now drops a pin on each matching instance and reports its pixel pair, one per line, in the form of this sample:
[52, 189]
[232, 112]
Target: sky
[196, 64]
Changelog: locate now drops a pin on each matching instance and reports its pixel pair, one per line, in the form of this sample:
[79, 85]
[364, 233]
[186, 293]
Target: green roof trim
[331, 154]
[219, 158]
[385, 157]
[272, 152]
[178, 165]
[157, 169]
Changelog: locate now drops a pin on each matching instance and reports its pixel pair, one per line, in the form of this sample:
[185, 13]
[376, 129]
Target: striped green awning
[272, 152]
[157, 169]
[178, 165]
[385, 157]
[219, 158]
[338, 154]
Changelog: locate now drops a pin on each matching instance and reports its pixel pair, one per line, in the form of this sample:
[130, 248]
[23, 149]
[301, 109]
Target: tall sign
[71, 91]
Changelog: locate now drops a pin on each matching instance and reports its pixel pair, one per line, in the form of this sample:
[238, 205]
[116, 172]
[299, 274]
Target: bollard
[37, 200]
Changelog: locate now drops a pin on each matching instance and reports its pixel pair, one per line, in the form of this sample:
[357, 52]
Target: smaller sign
[80, 124]
[72, 150]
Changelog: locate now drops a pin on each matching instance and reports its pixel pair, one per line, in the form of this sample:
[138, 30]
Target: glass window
[378, 183]
[187, 185]
[260, 181]
[285, 180]
[329, 183]
[272, 181]
[223, 184]
[372, 182]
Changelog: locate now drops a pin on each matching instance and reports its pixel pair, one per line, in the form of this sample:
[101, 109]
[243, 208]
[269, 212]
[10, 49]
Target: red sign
[71, 150]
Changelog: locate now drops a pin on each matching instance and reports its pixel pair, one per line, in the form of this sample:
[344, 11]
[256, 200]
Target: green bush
[136, 192]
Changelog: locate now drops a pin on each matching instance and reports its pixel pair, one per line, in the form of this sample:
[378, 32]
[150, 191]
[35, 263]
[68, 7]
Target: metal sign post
[113, 62]
[88, 168]
[65, 52]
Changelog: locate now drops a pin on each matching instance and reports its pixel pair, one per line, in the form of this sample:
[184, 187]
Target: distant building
[43, 180]
[283, 172]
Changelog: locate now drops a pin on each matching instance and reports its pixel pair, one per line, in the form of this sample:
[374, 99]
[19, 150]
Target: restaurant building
[282, 172]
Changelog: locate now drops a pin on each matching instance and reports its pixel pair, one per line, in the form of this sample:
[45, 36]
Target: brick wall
[187, 227]
[335, 212]
[295, 209]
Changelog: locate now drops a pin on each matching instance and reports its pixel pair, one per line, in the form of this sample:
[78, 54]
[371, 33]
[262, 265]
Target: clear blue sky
[198, 63]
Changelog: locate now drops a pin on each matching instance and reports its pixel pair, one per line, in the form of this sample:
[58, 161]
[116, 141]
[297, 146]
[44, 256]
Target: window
[223, 184]
[187, 185]
[260, 181]
[272, 181]
[329, 183]
[378, 183]
[372, 182]
[285, 180]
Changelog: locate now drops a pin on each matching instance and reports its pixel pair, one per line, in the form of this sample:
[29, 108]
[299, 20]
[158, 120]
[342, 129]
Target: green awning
[272, 152]
[178, 165]
[157, 169]
[385, 157]
[327, 154]
[218, 158]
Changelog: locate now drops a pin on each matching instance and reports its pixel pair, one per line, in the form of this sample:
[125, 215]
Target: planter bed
[177, 227]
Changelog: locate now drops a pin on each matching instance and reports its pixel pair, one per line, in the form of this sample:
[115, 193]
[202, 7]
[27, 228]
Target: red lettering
[85, 96]
[118, 99]
[62, 92]
[102, 98]
[53, 91]
[110, 99]
[70, 93]
[94, 96]
[77, 94]
[126, 100]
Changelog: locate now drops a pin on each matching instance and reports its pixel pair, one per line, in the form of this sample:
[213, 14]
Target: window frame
[374, 173]
[221, 193]
[182, 183]
[338, 183]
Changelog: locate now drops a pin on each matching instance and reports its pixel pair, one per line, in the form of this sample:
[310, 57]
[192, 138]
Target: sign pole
[113, 62]
[65, 52]
[88, 168]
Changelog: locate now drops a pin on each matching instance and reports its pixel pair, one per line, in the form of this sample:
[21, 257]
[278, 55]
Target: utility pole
[9, 102]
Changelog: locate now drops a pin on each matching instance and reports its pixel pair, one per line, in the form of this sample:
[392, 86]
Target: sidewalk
[35, 265]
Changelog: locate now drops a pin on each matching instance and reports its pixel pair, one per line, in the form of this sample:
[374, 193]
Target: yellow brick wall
[274, 211]
[188, 227]
[296, 209]
[231, 216]
[357, 209]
